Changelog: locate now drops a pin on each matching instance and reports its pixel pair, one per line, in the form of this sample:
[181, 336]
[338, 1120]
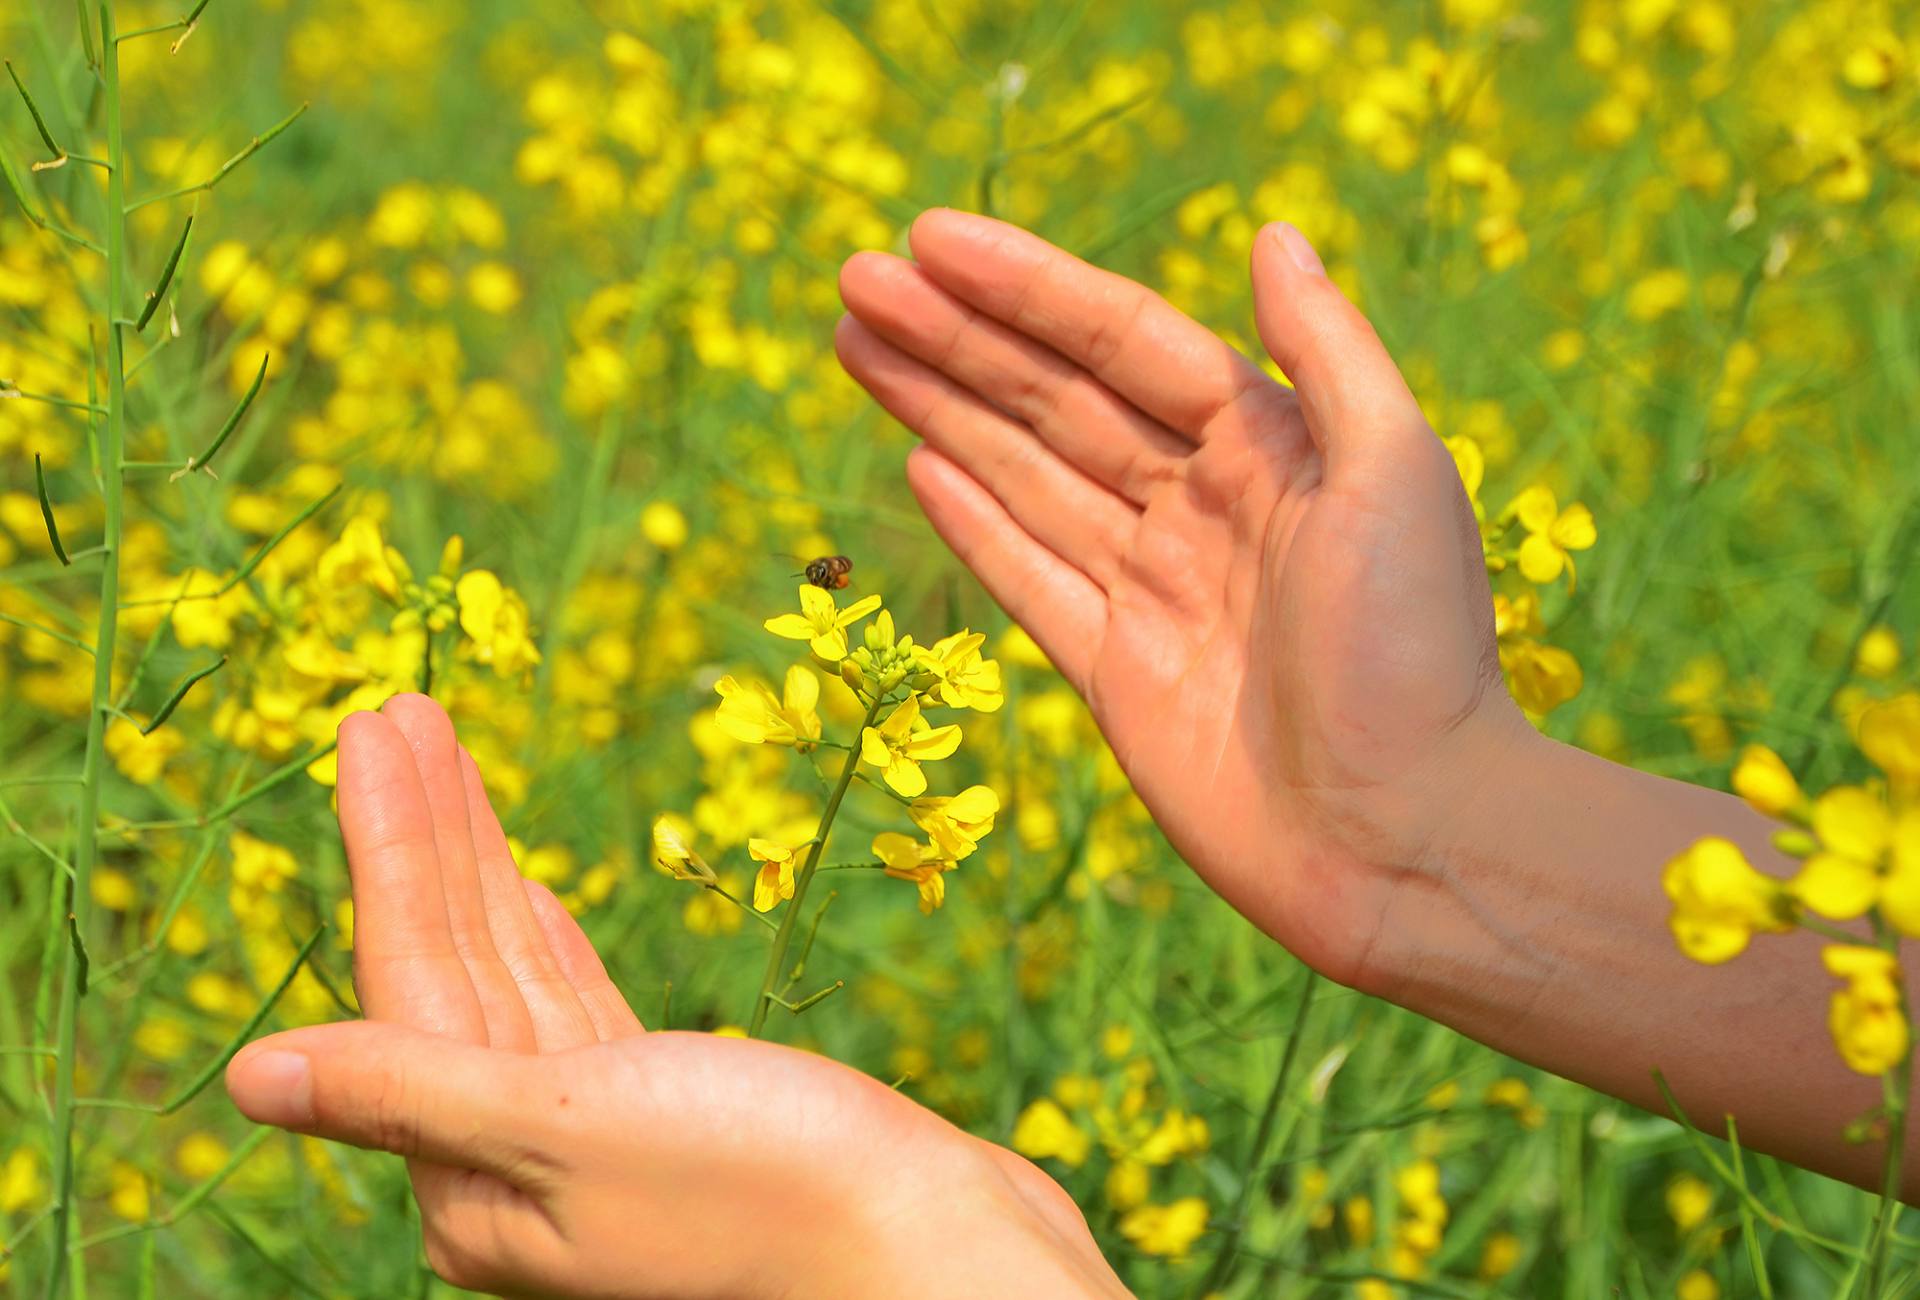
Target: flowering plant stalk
[888, 675]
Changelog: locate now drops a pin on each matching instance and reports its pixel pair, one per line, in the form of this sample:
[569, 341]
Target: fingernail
[276, 1088]
[1298, 248]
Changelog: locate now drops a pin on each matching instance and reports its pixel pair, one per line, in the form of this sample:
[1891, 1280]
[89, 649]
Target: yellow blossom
[1168, 1230]
[1763, 780]
[905, 858]
[21, 1184]
[1855, 830]
[904, 741]
[774, 880]
[1696, 1284]
[1689, 1201]
[1889, 735]
[956, 823]
[141, 759]
[662, 524]
[496, 619]
[1044, 1132]
[1498, 1255]
[753, 714]
[1127, 1184]
[821, 623]
[1553, 534]
[1865, 1017]
[1878, 654]
[673, 850]
[1719, 900]
[962, 679]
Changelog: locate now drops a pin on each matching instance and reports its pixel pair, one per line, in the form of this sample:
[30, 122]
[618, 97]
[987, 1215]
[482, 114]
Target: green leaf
[46, 510]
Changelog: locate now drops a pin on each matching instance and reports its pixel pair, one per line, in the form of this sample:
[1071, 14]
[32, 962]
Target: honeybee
[829, 572]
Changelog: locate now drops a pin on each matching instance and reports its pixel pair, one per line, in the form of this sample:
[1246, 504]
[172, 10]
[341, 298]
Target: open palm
[556, 1147]
[1272, 598]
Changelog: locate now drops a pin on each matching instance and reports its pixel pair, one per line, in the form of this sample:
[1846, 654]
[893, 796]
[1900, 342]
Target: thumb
[389, 1088]
[1357, 406]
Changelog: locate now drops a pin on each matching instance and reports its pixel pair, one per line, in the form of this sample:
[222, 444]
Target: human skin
[1274, 603]
[557, 1148]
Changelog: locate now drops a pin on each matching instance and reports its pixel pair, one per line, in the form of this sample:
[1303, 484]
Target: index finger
[405, 965]
[1139, 344]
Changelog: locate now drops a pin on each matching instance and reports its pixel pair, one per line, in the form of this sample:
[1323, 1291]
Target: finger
[1078, 520]
[1358, 407]
[429, 733]
[612, 1017]
[1110, 440]
[1056, 603]
[390, 1088]
[1132, 339]
[559, 1019]
[406, 968]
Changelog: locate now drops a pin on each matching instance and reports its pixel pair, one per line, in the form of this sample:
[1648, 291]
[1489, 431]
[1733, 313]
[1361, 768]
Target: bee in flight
[829, 572]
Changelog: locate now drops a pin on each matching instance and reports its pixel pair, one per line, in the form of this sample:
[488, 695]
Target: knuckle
[395, 1111]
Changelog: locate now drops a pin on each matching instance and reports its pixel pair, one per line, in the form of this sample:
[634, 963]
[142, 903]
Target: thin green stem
[1250, 1180]
[783, 937]
[73, 975]
[1894, 1085]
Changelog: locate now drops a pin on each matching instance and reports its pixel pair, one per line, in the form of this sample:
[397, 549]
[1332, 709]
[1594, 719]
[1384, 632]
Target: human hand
[558, 1149]
[1272, 599]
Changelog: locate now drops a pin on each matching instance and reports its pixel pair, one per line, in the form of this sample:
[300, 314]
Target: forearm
[1540, 929]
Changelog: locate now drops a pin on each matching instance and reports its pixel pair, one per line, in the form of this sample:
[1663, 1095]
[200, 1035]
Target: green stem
[87, 831]
[1250, 1180]
[783, 937]
[1894, 1085]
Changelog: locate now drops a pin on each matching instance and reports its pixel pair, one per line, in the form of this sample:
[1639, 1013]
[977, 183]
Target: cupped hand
[1272, 598]
[556, 1148]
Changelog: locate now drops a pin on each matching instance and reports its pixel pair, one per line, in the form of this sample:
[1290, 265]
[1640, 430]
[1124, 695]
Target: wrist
[1449, 914]
[969, 1220]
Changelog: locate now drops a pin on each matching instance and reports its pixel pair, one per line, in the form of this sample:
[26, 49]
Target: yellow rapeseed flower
[956, 823]
[1889, 735]
[906, 858]
[753, 714]
[1763, 780]
[1045, 1132]
[1168, 1230]
[1689, 1201]
[821, 623]
[1855, 831]
[1553, 534]
[904, 741]
[1719, 900]
[774, 880]
[673, 850]
[1865, 1017]
[962, 679]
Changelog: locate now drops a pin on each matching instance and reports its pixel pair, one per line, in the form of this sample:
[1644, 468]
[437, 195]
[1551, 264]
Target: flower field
[351, 347]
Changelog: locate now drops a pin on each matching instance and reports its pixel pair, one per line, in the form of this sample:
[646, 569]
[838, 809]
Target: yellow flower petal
[794, 627]
[1852, 821]
[1574, 530]
[1536, 508]
[936, 742]
[854, 612]
[905, 776]
[1540, 560]
[1836, 887]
